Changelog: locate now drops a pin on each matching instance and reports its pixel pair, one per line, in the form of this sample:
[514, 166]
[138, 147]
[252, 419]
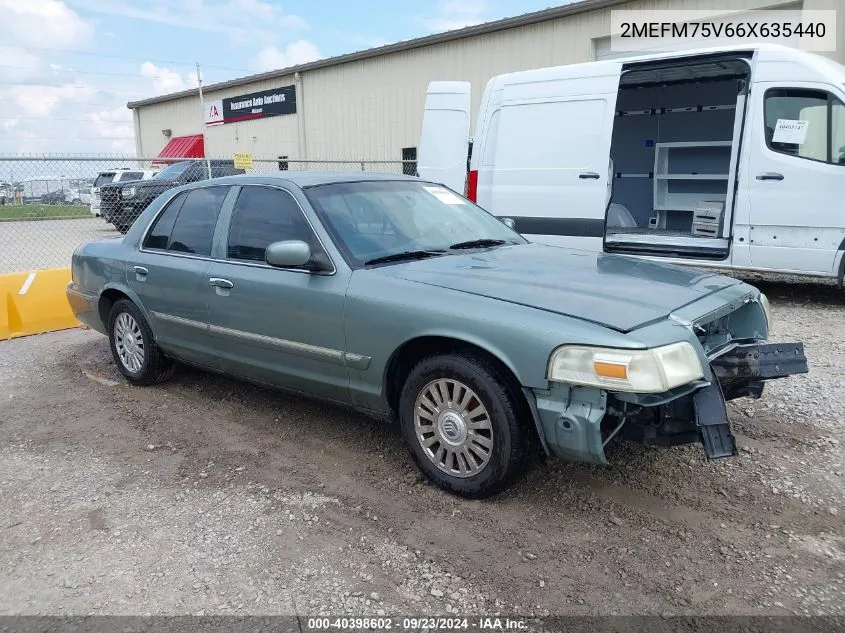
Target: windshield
[172, 172]
[373, 220]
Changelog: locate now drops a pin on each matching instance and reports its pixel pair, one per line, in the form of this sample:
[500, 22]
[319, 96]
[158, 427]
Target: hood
[152, 182]
[618, 292]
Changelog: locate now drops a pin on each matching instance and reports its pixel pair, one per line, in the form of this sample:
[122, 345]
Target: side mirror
[508, 222]
[288, 254]
[296, 254]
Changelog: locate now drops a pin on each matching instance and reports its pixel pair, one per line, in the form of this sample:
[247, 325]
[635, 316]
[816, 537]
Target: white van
[730, 157]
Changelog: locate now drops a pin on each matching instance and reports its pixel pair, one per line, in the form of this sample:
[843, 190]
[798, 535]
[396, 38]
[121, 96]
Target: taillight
[472, 185]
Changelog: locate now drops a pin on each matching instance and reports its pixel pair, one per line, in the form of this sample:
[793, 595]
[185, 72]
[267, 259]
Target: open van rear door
[444, 139]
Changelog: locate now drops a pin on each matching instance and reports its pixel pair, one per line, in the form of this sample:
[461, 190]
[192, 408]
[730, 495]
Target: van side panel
[549, 170]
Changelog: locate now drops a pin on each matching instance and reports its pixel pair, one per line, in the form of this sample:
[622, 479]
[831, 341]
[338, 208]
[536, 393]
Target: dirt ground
[206, 495]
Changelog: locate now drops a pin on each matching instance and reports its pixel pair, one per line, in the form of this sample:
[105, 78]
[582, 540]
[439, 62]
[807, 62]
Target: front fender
[384, 313]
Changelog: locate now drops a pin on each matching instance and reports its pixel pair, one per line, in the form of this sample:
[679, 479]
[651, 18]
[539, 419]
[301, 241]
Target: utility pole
[202, 121]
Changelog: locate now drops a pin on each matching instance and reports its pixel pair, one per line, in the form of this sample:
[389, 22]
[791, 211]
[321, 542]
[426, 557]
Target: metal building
[369, 104]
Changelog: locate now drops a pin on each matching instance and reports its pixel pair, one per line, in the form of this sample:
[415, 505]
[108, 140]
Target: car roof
[312, 178]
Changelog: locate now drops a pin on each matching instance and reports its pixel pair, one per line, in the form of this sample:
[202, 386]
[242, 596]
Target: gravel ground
[205, 495]
[35, 244]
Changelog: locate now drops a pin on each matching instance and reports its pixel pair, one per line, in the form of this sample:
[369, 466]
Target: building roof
[429, 40]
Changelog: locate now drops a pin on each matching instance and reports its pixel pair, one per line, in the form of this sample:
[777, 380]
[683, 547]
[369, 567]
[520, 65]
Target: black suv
[122, 203]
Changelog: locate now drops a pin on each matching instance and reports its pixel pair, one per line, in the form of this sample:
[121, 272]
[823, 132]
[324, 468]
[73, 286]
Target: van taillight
[472, 185]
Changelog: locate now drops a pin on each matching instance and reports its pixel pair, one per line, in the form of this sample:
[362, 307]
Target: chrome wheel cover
[128, 342]
[453, 427]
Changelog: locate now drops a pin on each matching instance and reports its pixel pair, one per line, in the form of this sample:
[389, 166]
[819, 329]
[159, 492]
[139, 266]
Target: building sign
[243, 161]
[256, 105]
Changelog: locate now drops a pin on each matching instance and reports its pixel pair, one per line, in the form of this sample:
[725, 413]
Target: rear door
[170, 273]
[796, 178]
[550, 164]
[444, 138]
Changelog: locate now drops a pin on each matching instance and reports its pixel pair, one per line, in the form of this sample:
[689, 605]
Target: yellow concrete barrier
[35, 302]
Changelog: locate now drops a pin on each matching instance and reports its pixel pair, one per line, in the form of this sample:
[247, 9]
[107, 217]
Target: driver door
[280, 326]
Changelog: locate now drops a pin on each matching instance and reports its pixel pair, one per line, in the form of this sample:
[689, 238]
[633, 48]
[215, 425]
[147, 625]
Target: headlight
[767, 310]
[640, 371]
[129, 192]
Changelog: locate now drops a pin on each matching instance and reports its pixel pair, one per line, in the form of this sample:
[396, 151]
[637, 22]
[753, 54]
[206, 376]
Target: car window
[805, 123]
[130, 175]
[193, 229]
[837, 132]
[261, 216]
[159, 234]
[104, 179]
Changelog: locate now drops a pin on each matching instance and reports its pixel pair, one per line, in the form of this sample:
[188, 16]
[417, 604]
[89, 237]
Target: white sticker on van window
[444, 195]
[790, 131]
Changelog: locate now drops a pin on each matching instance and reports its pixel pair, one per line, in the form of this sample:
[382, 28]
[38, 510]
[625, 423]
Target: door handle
[220, 283]
[770, 175]
[140, 273]
[589, 175]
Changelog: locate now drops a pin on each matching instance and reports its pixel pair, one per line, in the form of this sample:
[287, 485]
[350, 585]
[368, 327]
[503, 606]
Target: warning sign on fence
[243, 161]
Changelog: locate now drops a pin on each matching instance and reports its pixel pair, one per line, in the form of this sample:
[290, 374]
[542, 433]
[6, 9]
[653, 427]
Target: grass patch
[43, 211]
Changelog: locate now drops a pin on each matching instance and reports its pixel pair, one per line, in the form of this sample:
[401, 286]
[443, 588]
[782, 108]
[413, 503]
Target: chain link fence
[49, 205]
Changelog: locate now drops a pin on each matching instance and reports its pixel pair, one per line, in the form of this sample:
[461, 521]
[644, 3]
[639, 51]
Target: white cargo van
[729, 157]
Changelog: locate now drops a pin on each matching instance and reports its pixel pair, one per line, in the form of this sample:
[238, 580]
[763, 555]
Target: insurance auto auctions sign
[256, 105]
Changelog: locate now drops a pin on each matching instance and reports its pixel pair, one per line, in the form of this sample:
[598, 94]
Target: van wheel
[461, 422]
[134, 350]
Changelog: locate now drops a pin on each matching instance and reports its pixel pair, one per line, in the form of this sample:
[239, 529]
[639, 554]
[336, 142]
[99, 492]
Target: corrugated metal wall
[269, 138]
[373, 108]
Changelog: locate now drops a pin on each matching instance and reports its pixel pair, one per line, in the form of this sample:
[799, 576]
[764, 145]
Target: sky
[68, 67]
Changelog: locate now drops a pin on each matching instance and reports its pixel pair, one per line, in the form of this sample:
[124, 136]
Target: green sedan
[401, 299]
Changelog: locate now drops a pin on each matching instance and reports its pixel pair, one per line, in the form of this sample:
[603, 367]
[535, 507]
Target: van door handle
[770, 175]
[589, 175]
[140, 270]
[220, 283]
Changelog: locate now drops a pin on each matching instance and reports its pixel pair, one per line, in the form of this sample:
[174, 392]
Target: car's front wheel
[463, 425]
[134, 350]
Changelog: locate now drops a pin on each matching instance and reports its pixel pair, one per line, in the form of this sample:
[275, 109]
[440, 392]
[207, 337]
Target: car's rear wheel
[463, 424]
[134, 350]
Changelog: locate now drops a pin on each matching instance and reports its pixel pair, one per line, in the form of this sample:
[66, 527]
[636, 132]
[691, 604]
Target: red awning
[181, 147]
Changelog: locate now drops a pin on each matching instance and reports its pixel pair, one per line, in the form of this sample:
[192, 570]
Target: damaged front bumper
[577, 423]
[741, 371]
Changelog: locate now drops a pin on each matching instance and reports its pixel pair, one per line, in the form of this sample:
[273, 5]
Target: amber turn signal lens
[610, 370]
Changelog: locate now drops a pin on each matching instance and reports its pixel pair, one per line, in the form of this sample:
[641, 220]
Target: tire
[128, 332]
[76, 201]
[458, 427]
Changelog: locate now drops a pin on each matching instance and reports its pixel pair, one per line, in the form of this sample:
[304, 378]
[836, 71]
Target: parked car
[66, 196]
[117, 174]
[632, 156]
[123, 202]
[54, 197]
[399, 298]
